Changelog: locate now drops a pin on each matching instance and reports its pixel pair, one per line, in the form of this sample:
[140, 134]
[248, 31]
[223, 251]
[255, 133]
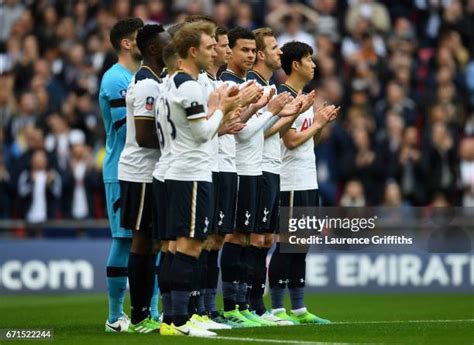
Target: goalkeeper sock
[117, 273]
[156, 290]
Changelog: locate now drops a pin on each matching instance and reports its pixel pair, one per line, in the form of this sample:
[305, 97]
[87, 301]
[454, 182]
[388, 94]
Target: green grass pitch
[368, 319]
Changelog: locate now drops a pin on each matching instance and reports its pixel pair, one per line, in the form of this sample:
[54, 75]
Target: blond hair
[260, 35]
[189, 35]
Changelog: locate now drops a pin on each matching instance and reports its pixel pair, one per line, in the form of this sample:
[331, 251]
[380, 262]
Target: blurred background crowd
[403, 72]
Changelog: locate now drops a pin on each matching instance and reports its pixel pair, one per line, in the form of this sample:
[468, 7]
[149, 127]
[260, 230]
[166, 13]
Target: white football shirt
[136, 163]
[210, 85]
[165, 129]
[191, 158]
[298, 169]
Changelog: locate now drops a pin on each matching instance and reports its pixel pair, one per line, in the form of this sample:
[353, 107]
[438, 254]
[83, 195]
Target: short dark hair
[124, 29]
[239, 33]
[221, 31]
[146, 35]
[293, 51]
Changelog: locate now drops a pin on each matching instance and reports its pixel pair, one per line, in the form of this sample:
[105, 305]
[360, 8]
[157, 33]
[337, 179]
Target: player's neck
[156, 68]
[190, 67]
[264, 71]
[241, 73]
[295, 82]
[129, 63]
[213, 69]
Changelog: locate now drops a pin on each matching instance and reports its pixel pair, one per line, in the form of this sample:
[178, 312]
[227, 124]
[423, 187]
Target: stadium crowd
[403, 72]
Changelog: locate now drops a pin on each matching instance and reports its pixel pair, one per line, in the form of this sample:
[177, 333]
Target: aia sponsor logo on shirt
[306, 123]
[149, 103]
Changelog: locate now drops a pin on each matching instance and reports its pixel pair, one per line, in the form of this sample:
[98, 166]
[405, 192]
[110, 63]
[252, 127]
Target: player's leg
[257, 248]
[168, 249]
[213, 245]
[279, 267]
[246, 224]
[297, 273]
[166, 287]
[189, 215]
[269, 221]
[136, 213]
[197, 300]
[231, 256]
[160, 241]
[117, 262]
[206, 312]
[232, 246]
[155, 314]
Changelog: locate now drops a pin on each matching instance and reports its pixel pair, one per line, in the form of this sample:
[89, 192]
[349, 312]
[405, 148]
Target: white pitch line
[281, 341]
[302, 342]
[394, 321]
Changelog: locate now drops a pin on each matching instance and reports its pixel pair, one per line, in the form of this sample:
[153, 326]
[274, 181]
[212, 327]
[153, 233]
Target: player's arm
[114, 91]
[203, 126]
[267, 118]
[282, 125]
[144, 114]
[292, 110]
[293, 139]
[146, 132]
[299, 105]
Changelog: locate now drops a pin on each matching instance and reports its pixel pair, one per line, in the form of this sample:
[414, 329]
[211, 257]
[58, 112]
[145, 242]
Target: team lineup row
[207, 160]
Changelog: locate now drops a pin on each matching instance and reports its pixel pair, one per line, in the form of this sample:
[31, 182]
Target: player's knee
[141, 245]
[156, 247]
[257, 240]
[164, 246]
[172, 246]
[218, 242]
[268, 241]
[189, 246]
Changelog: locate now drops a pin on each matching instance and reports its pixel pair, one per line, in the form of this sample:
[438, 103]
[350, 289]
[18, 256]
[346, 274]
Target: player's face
[272, 53]
[243, 53]
[307, 67]
[223, 50]
[207, 51]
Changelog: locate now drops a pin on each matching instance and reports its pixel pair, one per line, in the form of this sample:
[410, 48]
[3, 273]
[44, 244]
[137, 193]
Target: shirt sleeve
[114, 93]
[145, 96]
[254, 125]
[190, 96]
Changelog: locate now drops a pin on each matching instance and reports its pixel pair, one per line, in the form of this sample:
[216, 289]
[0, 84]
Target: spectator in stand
[11, 12]
[6, 192]
[288, 21]
[366, 165]
[39, 188]
[373, 11]
[409, 171]
[7, 100]
[26, 116]
[353, 195]
[80, 180]
[397, 101]
[328, 21]
[57, 141]
[441, 163]
[467, 171]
